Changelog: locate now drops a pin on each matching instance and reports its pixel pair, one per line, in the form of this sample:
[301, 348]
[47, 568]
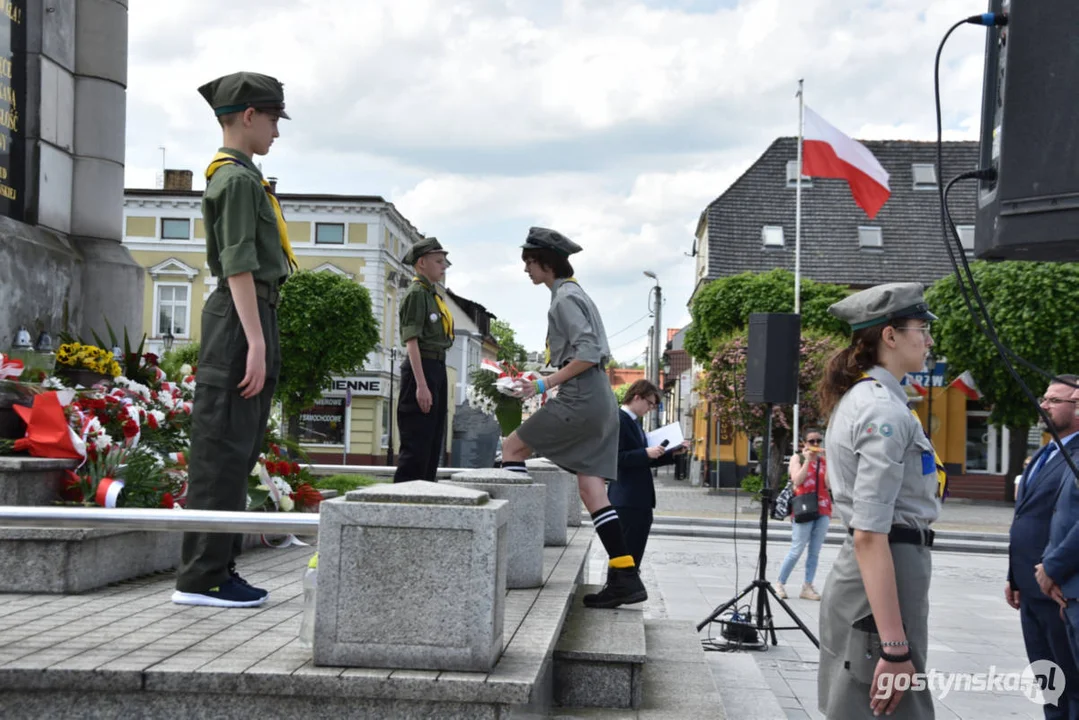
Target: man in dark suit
[1044, 631]
[633, 495]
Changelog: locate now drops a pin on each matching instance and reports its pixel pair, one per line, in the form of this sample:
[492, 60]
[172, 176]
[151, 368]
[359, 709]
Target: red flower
[167, 501]
[151, 421]
[98, 403]
[131, 429]
[295, 468]
[151, 359]
[307, 496]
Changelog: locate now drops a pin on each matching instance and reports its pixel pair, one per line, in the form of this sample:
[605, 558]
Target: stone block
[74, 561]
[57, 113]
[411, 575]
[526, 522]
[573, 494]
[56, 173]
[97, 193]
[112, 287]
[556, 498]
[101, 40]
[32, 481]
[100, 116]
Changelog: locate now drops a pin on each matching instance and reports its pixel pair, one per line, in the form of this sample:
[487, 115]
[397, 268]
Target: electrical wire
[627, 327]
[946, 225]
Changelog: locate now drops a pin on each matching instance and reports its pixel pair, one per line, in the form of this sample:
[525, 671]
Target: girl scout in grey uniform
[577, 429]
[887, 488]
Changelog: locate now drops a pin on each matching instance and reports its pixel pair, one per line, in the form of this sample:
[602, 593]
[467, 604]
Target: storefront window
[977, 442]
[324, 422]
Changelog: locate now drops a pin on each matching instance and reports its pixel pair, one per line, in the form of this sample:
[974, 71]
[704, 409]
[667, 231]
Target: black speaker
[1030, 135]
[772, 358]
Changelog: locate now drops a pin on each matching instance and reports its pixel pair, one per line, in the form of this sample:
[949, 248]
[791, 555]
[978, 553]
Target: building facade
[356, 236]
[751, 227]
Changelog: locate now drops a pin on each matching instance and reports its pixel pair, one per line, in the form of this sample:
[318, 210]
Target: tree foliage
[724, 387]
[327, 328]
[723, 306]
[1035, 309]
[509, 349]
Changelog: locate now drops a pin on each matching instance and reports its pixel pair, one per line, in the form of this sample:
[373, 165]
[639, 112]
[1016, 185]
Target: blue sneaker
[230, 594]
[236, 576]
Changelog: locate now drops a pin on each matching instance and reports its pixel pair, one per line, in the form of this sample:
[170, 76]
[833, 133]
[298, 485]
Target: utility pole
[657, 333]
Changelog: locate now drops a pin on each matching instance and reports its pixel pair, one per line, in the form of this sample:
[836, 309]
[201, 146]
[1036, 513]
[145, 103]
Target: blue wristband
[541, 386]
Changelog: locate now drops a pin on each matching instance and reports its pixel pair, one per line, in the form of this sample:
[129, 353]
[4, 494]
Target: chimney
[177, 180]
[273, 184]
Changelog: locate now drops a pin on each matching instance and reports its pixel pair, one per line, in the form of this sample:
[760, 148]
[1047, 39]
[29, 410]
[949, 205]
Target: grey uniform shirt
[880, 464]
[574, 327]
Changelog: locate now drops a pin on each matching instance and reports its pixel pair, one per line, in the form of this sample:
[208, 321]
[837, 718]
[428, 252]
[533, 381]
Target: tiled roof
[909, 221]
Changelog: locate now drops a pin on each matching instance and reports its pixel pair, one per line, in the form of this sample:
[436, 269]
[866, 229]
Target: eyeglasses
[1054, 401]
[924, 329]
[813, 442]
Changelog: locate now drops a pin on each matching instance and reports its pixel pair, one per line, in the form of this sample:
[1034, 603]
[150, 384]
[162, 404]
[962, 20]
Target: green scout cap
[882, 303]
[239, 91]
[539, 238]
[423, 247]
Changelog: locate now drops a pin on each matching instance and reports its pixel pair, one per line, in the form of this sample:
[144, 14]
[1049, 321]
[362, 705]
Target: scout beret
[423, 247]
[882, 303]
[239, 91]
[539, 238]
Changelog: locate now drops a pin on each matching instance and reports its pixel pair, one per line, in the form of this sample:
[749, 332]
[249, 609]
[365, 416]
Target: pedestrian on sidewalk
[577, 429]
[808, 473]
[633, 495]
[248, 251]
[427, 333]
[886, 483]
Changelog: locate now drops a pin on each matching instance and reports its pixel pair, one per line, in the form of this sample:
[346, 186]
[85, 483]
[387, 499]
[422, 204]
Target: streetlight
[389, 450]
[656, 334]
[930, 365]
[168, 338]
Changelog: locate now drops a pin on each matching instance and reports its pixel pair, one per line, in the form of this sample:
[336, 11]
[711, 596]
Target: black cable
[947, 224]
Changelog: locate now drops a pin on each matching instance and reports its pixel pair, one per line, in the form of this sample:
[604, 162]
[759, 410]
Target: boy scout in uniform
[887, 484]
[577, 429]
[427, 333]
[247, 250]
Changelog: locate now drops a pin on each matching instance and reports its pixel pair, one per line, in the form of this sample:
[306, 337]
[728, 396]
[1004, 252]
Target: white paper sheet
[672, 433]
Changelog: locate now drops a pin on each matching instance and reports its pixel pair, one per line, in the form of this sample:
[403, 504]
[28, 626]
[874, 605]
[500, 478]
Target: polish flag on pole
[919, 388]
[965, 384]
[828, 153]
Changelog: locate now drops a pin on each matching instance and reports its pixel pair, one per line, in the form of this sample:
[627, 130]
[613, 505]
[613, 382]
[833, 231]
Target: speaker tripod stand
[763, 622]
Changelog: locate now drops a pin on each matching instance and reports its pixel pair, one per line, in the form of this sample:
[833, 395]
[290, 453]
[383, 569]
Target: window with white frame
[172, 309]
[175, 229]
[925, 176]
[772, 235]
[870, 237]
[792, 175]
[329, 234]
[966, 237]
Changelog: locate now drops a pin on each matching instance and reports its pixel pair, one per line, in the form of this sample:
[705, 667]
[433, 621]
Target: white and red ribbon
[108, 492]
[10, 369]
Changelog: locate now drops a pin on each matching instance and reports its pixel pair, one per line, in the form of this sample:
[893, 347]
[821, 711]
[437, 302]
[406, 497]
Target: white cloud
[615, 121]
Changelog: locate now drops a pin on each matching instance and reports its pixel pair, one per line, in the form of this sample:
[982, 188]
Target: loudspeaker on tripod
[772, 358]
[1030, 211]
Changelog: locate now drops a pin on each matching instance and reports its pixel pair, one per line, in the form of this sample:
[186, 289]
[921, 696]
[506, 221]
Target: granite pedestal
[526, 522]
[32, 480]
[557, 499]
[573, 493]
[411, 575]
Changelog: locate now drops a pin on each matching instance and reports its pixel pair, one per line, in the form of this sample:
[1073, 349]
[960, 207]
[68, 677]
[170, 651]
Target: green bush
[174, 359]
[752, 484]
[343, 483]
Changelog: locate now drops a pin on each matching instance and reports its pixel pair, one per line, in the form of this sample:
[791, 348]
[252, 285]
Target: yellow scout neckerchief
[942, 476]
[443, 310]
[547, 342]
[220, 160]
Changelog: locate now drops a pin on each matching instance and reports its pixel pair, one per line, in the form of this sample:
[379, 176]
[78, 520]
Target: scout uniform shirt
[241, 225]
[423, 318]
[880, 464]
[574, 327]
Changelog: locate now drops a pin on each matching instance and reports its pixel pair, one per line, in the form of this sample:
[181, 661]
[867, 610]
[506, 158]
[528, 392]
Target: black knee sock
[609, 529]
[515, 466]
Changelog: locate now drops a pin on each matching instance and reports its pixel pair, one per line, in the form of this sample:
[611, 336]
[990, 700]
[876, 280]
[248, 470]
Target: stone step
[599, 657]
[676, 680]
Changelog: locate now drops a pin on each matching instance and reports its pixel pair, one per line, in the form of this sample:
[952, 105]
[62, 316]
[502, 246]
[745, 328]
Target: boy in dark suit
[633, 495]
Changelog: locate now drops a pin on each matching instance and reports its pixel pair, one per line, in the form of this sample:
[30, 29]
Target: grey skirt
[848, 655]
[578, 429]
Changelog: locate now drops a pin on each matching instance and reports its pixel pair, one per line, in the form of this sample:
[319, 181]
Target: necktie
[443, 311]
[1042, 459]
[222, 159]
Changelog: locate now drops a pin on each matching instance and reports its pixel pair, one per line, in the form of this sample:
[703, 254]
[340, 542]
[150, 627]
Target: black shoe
[229, 594]
[236, 576]
[624, 587]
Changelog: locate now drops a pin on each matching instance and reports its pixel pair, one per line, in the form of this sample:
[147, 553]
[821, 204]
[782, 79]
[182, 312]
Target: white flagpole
[798, 235]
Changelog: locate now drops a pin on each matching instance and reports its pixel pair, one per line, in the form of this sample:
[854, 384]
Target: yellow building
[356, 236]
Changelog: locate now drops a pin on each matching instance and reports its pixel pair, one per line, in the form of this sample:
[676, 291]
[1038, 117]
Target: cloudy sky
[614, 121]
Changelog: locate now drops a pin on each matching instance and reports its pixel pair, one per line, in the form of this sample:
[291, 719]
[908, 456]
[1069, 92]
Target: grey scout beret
[882, 303]
[539, 238]
[239, 91]
[423, 247]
